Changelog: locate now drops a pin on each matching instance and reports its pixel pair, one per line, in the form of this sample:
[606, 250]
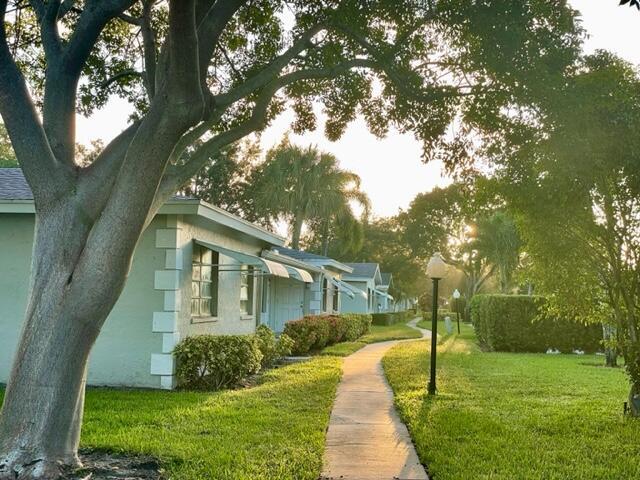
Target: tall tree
[302, 184]
[445, 220]
[385, 243]
[497, 240]
[224, 181]
[215, 71]
[575, 187]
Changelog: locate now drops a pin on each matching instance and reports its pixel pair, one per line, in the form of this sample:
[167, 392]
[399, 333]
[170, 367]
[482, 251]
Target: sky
[391, 168]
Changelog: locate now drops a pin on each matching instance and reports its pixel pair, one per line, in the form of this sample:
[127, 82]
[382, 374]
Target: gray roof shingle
[367, 270]
[13, 185]
[300, 254]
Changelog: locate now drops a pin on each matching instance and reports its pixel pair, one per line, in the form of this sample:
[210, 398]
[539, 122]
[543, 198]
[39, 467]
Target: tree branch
[63, 73]
[47, 16]
[171, 113]
[178, 175]
[252, 84]
[268, 73]
[210, 29]
[42, 171]
[149, 47]
[119, 75]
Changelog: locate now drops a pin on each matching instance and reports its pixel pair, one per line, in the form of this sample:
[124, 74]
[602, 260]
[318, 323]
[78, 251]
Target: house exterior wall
[357, 304]
[173, 320]
[122, 353]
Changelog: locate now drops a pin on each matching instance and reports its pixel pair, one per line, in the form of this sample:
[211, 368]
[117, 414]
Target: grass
[275, 430]
[509, 416]
[442, 331]
[378, 333]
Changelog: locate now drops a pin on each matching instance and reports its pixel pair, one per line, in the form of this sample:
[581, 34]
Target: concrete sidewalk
[366, 439]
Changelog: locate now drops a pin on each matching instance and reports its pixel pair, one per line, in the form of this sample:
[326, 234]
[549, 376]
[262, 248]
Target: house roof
[386, 278]
[313, 258]
[364, 271]
[13, 185]
[16, 197]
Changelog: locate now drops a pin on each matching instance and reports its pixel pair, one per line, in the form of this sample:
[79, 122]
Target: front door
[288, 302]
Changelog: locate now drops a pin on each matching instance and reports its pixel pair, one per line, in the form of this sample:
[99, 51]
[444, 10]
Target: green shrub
[381, 319]
[458, 305]
[212, 362]
[272, 348]
[358, 324]
[518, 323]
[390, 318]
[314, 332]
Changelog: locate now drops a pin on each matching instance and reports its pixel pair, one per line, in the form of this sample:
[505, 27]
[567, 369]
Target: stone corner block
[165, 322]
[166, 280]
[167, 238]
[162, 364]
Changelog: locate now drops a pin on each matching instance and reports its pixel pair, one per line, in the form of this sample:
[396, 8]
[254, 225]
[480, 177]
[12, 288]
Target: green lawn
[275, 430]
[378, 333]
[514, 416]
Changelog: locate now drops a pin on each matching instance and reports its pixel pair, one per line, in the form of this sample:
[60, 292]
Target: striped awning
[266, 266]
[299, 274]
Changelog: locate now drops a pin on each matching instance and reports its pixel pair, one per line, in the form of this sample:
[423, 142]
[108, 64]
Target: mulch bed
[111, 466]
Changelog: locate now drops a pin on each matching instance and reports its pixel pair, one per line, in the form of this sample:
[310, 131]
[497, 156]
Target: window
[246, 290]
[204, 282]
[264, 298]
[325, 295]
[336, 305]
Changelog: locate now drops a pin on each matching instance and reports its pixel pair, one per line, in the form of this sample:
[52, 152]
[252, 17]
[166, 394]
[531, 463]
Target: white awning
[267, 266]
[299, 274]
[350, 290]
[383, 294]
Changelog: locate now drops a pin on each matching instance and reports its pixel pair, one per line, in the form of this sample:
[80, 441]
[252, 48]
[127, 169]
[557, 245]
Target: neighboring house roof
[13, 185]
[313, 258]
[16, 197]
[364, 271]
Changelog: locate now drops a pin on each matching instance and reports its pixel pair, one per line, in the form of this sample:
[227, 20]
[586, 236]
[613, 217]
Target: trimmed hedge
[212, 362]
[272, 348]
[391, 318]
[517, 323]
[314, 332]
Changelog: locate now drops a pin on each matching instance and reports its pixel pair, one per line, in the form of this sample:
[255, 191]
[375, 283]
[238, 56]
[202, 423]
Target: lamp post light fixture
[456, 297]
[437, 270]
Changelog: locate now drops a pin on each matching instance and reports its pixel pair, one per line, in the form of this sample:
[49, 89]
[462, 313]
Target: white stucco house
[367, 278]
[197, 269]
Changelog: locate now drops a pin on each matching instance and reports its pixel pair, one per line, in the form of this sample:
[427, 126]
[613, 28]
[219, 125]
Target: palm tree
[302, 184]
[498, 242]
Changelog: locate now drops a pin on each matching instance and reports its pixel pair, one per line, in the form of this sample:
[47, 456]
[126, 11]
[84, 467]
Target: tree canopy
[202, 75]
[304, 184]
[575, 188]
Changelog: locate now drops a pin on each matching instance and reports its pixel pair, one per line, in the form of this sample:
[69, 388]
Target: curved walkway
[366, 439]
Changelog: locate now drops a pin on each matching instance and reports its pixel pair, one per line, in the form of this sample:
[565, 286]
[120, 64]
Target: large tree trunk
[42, 412]
[610, 352]
[325, 237]
[296, 233]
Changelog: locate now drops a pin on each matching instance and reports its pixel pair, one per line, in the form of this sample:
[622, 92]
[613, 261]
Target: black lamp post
[437, 270]
[456, 297]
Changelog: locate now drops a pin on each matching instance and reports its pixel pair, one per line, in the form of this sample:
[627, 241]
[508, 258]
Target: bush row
[314, 332]
[212, 362]
[389, 318]
[518, 323]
